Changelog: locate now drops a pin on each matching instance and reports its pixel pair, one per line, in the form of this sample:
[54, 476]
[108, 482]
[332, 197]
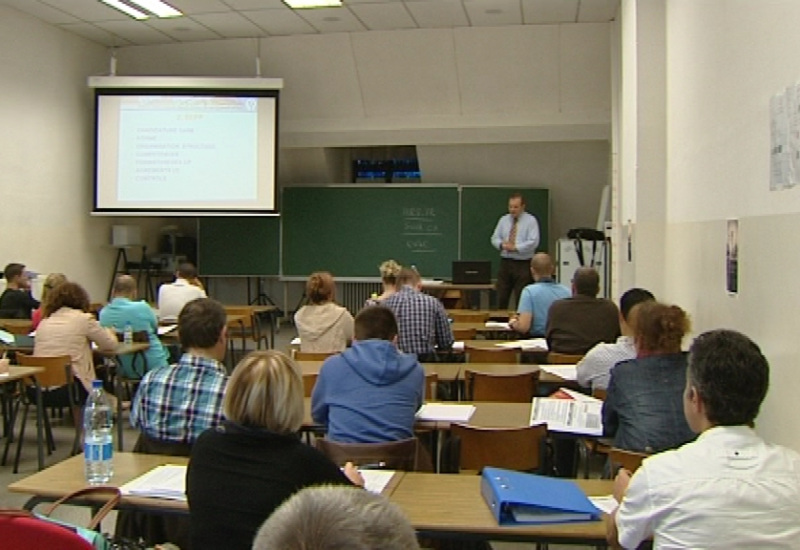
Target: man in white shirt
[728, 488]
[595, 367]
[172, 297]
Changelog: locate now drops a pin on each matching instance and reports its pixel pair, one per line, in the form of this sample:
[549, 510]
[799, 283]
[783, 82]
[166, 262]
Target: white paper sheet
[162, 330]
[375, 481]
[568, 415]
[458, 346]
[605, 504]
[6, 337]
[500, 325]
[567, 372]
[167, 481]
[295, 341]
[439, 412]
[525, 345]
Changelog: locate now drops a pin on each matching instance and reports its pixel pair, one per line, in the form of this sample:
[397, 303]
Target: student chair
[462, 334]
[394, 455]
[298, 355]
[125, 386]
[473, 448]
[484, 355]
[471, 317]
[554, 358]
[516, 388]
[309, 381]
[629, 460]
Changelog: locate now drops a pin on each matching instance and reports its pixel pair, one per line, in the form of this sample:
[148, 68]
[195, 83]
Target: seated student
[16, 301]
[421, 319]
[124, 309]
[244, 469]
[594, 369]
[172, 297]
[67, 329]
[317, 518]
[370, 392]
[50, 282]
[323, 325]
[575, 325]
[643, 410]
[175, 404]
[389, 271]
[728, 488]
[536, 298]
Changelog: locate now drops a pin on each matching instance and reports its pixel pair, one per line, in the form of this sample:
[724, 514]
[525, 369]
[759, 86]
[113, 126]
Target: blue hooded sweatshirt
[369, 393]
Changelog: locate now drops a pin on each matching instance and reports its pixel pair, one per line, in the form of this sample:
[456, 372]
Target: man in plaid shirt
[421, 319]
[177, 403]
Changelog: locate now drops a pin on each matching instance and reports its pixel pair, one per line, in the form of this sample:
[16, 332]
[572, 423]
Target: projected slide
[179, 148]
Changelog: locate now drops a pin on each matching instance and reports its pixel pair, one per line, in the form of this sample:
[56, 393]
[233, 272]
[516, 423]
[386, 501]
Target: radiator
[353, 295]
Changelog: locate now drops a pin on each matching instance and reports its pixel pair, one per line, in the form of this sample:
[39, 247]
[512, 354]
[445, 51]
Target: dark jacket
[17, 304]
[575, 325]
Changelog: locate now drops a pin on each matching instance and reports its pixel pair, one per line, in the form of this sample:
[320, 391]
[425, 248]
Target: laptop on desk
[472, 272]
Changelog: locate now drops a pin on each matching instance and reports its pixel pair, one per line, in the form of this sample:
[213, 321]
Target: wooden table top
[17, 324]
[452, 503]
[479, 327]
[428, 286]
[16, 372]
[494, 314]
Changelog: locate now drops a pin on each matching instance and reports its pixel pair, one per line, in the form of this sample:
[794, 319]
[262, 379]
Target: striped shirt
[178, 403]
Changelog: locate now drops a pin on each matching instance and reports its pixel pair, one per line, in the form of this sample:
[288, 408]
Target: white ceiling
[217, 19]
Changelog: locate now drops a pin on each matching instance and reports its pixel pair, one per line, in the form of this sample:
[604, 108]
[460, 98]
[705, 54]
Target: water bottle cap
[97, 384]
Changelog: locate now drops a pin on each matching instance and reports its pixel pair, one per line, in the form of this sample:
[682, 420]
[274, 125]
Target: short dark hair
[71, 295]
[517, 195]
[186, 270]
[375, 322]
[633, 297]
[407, 276]
[586, 281]
[200, 323]
[13, 270]
[731, 375]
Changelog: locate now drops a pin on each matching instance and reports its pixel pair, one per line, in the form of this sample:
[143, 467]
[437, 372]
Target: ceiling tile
[41, 11]
[88, 10]
[191, 7]
[541, 12]
[182, 29]
[255, 4]
[95, 34]
[135, 32]
[229, 25]
[438, 14]
[279, 22]
[597, 11]
[493, 13]
[332, 20]
[387, 16]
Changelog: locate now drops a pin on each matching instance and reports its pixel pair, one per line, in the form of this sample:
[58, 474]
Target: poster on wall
[780, 166]
[732, 258]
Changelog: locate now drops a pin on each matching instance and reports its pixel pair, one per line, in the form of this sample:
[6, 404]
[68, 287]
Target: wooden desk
[15, 374]
[446, 372]
[494, 314]
[454, 296]
[255, 313]
[16, 326]
[450, 505]
[135, 349]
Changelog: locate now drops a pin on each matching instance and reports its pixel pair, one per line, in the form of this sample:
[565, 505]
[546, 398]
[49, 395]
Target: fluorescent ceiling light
[121, 6]
[302, 4]
[159, 8]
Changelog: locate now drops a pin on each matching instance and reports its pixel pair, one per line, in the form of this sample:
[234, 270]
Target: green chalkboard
[481, 208]
[239, 246]
[350, 230]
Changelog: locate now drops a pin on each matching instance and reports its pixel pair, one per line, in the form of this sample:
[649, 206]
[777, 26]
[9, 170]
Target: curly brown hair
[660, 327]
[67, 294]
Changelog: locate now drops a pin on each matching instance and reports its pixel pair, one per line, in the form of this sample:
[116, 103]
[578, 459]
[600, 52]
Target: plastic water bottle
[127, 334]
[98, 444]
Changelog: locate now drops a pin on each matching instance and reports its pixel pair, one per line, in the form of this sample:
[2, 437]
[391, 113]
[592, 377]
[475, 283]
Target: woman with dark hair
[643, 410]
[68, 327]
[322, 324]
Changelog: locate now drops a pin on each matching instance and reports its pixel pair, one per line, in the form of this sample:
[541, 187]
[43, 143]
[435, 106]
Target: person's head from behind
[16, 278]
[186, 270]
[375, 323]
[265, 391]
[51, 282]
[516, 204]
[586, 282]
[69, 295]
[125, 287]
[409, 277]
[628, 309]
[660, 328]
[542, 266]
[389, 271]
[336, 518]
[201, 325]
[320, 288]
[726, 381]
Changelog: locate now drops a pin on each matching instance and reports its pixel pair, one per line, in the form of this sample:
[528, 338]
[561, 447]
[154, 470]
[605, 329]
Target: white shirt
[172, 298]
[595, 367]
[727, 489]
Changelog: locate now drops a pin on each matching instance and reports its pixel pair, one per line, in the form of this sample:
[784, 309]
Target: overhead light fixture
[143, 9]
[305, 4]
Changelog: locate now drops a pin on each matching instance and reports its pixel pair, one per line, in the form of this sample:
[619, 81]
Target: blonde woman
[323, 325]
[240, 472]
[389, 271]
[51, 281]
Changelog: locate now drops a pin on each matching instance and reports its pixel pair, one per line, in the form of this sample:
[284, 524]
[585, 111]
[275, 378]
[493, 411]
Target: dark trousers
[513, 275]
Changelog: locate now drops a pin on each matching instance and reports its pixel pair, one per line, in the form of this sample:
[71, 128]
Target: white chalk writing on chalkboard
[419, 226]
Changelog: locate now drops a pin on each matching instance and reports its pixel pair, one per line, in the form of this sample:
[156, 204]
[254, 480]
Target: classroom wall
[724, 60]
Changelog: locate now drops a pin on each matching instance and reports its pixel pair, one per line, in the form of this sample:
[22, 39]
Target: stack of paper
[162, 330]
[167, 481]
[568, 415]
[439, 412]
[500, 325]
[525, 345]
